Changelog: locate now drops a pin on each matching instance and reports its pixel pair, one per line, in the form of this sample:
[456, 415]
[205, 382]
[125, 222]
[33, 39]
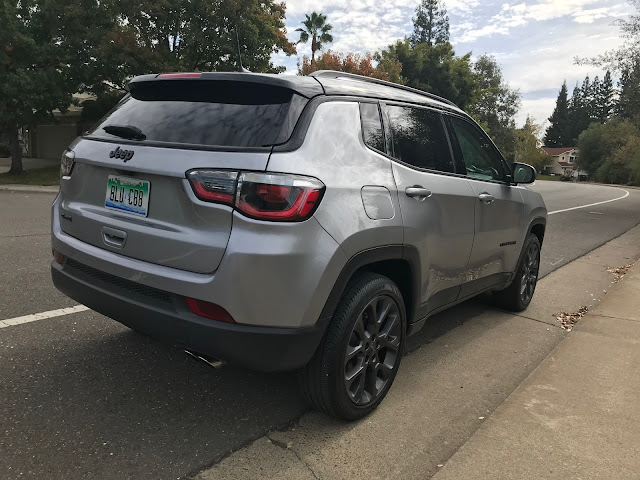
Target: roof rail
[337, 74]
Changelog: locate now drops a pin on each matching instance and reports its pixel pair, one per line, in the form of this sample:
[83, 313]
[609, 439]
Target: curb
[30, 188]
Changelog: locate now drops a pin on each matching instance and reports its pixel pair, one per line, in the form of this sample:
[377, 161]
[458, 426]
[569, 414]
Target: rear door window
[418, 138]
[372, 126]
[199, 112]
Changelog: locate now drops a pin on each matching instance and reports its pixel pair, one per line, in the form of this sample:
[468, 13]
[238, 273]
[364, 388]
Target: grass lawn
[548, 178]
[37, 176]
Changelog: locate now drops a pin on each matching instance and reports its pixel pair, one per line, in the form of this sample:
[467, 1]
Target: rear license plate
[128, 195]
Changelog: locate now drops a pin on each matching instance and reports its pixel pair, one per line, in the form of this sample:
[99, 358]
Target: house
[49, 138]
[563, 162]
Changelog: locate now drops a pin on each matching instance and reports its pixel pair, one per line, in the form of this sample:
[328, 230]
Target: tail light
[264, 196]
[66, 163]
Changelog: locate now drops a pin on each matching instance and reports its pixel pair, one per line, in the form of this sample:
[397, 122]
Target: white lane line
[41, 316]
[626, 194]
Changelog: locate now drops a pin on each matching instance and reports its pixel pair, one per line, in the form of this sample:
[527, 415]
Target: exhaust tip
[212, 362]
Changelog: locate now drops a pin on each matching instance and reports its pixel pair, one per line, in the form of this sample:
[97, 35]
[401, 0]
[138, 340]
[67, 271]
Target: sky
[535, 41]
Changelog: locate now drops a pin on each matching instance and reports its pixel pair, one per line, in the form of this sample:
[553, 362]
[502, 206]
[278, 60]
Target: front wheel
[354, 367]
[518, 295]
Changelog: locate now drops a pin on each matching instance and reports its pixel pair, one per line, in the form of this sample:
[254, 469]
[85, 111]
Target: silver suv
[285, 223]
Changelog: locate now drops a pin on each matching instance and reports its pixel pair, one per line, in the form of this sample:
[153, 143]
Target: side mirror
[523, 173]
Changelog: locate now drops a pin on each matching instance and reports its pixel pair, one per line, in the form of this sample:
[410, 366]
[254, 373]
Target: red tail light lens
[209, 310]
[214, 186]
[58, 257]
[277, 197]
[264, 196]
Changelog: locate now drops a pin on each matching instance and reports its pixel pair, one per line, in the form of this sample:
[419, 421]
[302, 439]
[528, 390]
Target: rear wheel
[519, 294]
[355, 365]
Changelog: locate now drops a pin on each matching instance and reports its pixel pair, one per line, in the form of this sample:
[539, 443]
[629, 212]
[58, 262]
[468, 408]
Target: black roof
[326, 82]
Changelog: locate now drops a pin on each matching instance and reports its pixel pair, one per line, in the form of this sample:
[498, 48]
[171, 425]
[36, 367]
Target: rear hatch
[128, 191]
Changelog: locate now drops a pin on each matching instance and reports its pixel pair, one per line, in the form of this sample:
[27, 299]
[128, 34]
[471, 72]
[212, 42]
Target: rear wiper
[125, 131]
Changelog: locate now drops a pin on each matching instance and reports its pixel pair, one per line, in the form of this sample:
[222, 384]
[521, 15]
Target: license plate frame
[128, 195]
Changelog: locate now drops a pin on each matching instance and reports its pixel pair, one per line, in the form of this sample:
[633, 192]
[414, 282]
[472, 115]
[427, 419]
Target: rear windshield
[198, 112]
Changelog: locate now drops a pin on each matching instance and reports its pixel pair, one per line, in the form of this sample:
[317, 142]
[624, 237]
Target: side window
[480, 157]
[372, 126]
[418, 138]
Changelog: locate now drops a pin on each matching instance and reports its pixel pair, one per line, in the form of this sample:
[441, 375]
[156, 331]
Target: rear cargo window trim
[182, 146]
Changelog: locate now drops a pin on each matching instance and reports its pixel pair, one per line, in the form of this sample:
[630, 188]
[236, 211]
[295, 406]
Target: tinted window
[418, 138]
[372, 126]
[479, 155]
[208, 113]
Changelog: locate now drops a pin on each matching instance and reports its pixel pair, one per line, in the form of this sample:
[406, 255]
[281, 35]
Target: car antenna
[240, 67]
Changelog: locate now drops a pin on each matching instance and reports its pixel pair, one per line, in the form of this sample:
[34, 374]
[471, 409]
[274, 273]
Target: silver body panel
[439, 226]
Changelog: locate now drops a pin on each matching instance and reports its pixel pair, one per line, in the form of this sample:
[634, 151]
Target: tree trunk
[16, 150]
[313, 49]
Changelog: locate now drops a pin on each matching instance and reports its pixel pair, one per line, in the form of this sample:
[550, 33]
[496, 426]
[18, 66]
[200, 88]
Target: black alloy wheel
[517, 296]
[529, 278]
[355, 365]
[372, 350]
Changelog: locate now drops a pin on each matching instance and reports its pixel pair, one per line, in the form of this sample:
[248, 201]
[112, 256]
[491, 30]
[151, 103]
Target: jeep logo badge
[125, 155]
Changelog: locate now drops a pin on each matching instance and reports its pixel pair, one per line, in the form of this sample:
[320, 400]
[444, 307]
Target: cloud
[539, 109]
[517, 15]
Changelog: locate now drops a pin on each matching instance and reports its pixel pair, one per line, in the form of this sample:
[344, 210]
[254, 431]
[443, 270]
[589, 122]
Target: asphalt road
[83, 397]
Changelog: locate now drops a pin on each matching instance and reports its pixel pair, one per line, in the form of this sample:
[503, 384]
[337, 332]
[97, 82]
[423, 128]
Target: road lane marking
[626, 194]
[10, 322]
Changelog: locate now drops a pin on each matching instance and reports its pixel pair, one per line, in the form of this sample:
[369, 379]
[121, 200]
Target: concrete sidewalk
[578, 414]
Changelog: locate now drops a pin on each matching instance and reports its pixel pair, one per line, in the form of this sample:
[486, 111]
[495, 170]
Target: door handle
[486, 198]
[418, 192]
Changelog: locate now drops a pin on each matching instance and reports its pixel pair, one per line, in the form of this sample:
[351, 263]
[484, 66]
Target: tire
[517, 296]
[355, 342]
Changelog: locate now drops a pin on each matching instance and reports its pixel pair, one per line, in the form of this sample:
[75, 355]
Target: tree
[188, 35]
[316, 28]
[45, 57]
[434, 69]
[629, 102]
[610, 152]
[557, 133]
[591, 96]
[351, 63]
[605, 99]
[495, 104]
[431, 24]
[528, 146]
[582, 109]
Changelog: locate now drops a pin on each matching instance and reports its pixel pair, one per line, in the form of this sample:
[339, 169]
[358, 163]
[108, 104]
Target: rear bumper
[165, 316]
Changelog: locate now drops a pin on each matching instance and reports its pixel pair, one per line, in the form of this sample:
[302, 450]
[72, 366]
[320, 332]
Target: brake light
[263, 196]
[180, 75]
[214, 186]
[209, 310]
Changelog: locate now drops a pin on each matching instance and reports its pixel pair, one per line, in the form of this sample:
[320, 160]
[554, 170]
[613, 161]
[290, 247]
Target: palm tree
[316, 27]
